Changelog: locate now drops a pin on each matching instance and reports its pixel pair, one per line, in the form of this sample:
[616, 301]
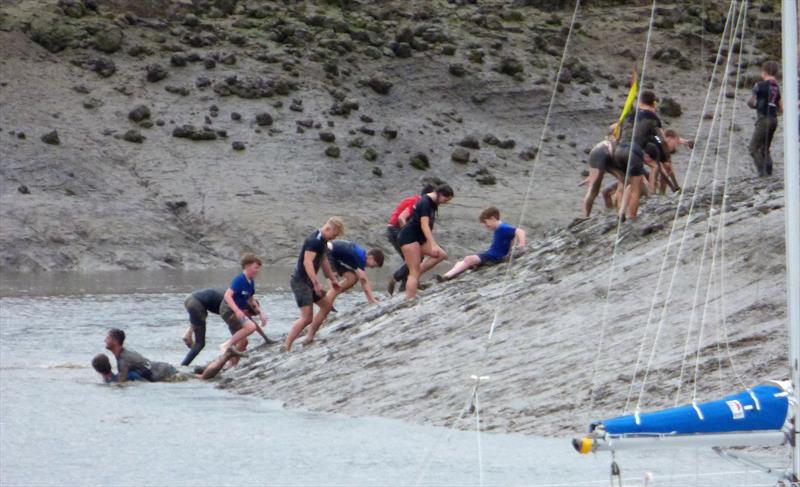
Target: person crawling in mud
[601, 161]
[304, 282]
[420, 251]
[132, 366]
[397, 220]
[504, 239]
[238, 299]
[350, 261]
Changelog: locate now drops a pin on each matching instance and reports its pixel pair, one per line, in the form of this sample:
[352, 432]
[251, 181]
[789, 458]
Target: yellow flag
[628, 103]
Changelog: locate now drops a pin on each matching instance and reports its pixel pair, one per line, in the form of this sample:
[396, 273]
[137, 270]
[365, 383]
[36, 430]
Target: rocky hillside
[150, 134]
[414, 361]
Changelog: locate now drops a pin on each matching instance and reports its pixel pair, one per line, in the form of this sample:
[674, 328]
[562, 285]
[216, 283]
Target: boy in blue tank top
[505, 236]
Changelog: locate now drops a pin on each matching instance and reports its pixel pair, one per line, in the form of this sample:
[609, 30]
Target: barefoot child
[505, 237]
[348, 260]
[304, 282]
[238, 299]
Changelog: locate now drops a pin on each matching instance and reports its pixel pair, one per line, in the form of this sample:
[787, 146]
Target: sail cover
[734, 413]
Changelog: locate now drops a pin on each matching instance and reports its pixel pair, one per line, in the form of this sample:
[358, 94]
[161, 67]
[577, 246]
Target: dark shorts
[410, 234]
[197, 312]
[391, 235]
[339, 268]
[599, 158]
[621, 154]
[489, 259]
[303, 291]
[229, 317]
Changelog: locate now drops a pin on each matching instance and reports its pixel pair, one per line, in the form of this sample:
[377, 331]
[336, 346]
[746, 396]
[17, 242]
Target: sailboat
[765, 415]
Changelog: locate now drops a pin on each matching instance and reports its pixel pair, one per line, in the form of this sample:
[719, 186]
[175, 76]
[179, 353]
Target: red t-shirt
[401, 207]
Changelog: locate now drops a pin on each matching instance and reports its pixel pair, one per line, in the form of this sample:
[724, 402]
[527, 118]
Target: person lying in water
[504, 239]
[350, 261]
[133, 366]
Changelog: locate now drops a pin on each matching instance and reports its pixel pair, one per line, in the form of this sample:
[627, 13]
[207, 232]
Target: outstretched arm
[365, 285]
[519, 235]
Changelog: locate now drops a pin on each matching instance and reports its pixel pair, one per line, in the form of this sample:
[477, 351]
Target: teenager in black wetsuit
[416, 238]
[766, 100]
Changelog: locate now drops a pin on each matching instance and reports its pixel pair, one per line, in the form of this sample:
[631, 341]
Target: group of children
[343, 263]
[638, 152]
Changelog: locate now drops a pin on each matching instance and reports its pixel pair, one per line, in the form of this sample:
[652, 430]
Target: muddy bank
[413, 362]
[148, 135]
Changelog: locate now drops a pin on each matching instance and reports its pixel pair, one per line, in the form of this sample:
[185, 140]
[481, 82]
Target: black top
[647, 127]
[424, 207]
[768, 95]
[314, 243]
[210, 298]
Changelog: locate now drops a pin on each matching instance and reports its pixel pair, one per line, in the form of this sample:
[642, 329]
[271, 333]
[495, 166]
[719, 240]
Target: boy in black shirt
[766, 100]
[304, 283]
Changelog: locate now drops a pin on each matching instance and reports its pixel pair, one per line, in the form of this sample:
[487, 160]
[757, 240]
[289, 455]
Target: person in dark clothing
[766, 100]
[198, 305]
[397, 220]
[416, 238]
[304, 282]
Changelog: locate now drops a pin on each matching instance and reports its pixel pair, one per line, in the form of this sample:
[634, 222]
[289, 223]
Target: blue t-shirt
[242, 290]
[348, 255]
[501, 242]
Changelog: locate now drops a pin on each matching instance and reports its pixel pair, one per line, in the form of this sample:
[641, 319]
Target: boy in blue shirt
[240, 297]
[505, 236]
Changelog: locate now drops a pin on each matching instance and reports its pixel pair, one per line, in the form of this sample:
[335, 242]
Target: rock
[370, 154]
[673, 56]
[92, 103]
[305, 123]
[53, 36]
[82, 89]
[457, 70]
[328, 137]
[401, 49]
[528, 154]
[479, 98]
[377, 171]
[252, 87]
[202, 82]
[177, 90]
[51, 138]
[509, 66]
[228, 59]
[236, 116]
[237, 145]
[139, 113]
[566, 75]
[448, 50]
[155, 72]
[486, 180]
[133, 136]
[193, 133]
[670, 108]
[332, 151]
[389, 132]
[23, 189]
[331, 67]
[296, 106]
[108, 40]
[72, 8]
[100, 65]
[507, 144]
[263, 119]
[420, 161]
[209, 63]
[475, 56]
[490, 139]
[460, 155]
[366, 130]
[139, 50]
[178, 60]
[470, 142]
[579, 72]
[21, 135]
[380, 85]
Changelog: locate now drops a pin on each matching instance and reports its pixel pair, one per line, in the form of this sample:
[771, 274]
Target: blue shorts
[489, 259]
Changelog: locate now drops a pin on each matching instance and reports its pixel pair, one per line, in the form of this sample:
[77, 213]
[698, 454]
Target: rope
[611, 274]
[507, 274]
[681, 195]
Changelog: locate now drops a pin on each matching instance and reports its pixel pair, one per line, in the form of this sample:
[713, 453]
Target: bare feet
[238, 353]
[307, 343]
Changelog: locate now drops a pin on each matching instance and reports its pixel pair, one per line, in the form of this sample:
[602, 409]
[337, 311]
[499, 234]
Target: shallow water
[60, 426]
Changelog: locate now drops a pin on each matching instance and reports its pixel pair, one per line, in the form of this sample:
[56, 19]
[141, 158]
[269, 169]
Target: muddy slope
[413, 362]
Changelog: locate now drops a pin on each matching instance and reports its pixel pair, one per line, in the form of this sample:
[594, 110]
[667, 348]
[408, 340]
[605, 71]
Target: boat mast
[791, 153]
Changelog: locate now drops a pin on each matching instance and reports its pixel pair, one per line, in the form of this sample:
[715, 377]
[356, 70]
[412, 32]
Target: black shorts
[599, 158]
[303, 291]
[488, 260]
[197, 312]
[410, 234]
[621, 155]
[338, 267]
[391, 235]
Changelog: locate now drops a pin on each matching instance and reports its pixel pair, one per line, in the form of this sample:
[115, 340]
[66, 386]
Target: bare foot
[238, 353]
[307, 343]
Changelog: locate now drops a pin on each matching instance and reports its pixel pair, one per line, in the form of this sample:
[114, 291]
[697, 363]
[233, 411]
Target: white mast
[792, 196]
